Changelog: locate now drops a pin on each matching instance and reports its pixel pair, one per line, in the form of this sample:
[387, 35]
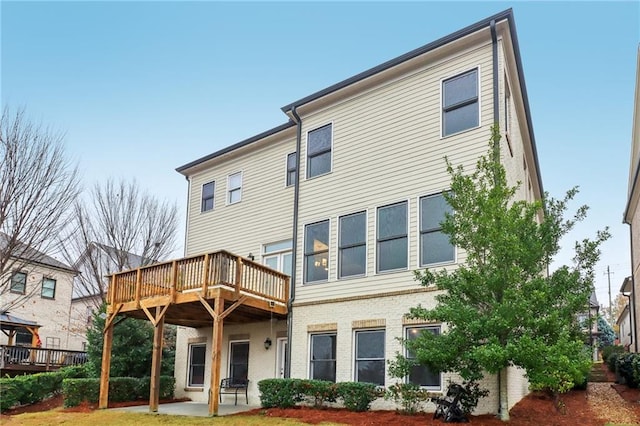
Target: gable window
[460, 106]
[278, 256]
[239, 360]
[319, 151]
[435, 246]
[234, 188]
[196, 365]
[421, 375]
[48, 288]
[19, 282]
[352, 245]
[392, 237]
[323, 357]
[370, 356]
[207, 196]
[316, 252]
[292, 167]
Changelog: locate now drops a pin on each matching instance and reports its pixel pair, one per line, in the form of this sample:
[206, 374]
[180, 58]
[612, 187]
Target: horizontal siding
[265, 213]
[387, 148]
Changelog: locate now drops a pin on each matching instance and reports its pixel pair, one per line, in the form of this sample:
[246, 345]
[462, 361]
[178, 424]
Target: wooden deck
[181, 285]
[24, 359]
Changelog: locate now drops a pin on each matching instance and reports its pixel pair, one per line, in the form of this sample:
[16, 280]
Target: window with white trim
[197, 354]
[53, 342]
[421, 375]
[435, 246]
[278, 256]
[392, 240]
[319, 151]
[239, 360]
[370, 360]
[316, 252]
[208, 190]
[323, 357]
[48, 288]
[19, 282]
[460, 103]
[292, 168]
[352, 245]
[234, 188]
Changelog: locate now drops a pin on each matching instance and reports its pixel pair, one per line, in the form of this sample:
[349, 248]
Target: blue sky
[141, 88]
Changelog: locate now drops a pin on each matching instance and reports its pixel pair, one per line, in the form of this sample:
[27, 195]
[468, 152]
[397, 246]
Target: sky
[141, 88]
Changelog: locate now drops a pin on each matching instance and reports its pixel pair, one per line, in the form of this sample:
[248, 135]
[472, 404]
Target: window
[19, 282]
[89, 315]
[239, 360]
[316, 252]
[196, 365]
[48, 288]
[234, 185]
[292, 167]
[392, 237]
[352, 245]
[435, 246]
[323, 357]
[278, 256]
[207, 196]
[24, 338]
[370, 356]
[53, 342]
[507, 106]
[319, 151]
[421, 375]
[460, 109]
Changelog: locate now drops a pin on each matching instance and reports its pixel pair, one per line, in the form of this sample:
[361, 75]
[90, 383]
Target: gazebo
[10, 324]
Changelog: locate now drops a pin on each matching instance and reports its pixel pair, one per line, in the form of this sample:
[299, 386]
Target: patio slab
[188, 408]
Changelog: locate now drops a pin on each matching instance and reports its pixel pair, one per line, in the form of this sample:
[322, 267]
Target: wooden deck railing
[199, 273]
[16, 357]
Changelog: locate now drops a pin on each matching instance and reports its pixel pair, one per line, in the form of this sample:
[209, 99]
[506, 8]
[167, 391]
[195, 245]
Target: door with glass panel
[278, 256]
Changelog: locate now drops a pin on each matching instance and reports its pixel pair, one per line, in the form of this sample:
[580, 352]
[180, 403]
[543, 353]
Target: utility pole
[610, 309]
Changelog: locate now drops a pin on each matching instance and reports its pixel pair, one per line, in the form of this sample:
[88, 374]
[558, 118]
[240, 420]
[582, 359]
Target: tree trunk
[504, 395]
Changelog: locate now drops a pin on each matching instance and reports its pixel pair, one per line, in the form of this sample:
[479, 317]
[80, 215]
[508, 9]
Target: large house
[632, 216]
[345, 198]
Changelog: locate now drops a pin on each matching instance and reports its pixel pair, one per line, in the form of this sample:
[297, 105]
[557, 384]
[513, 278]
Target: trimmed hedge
[287, 393]
[120, 389]
[609, 356]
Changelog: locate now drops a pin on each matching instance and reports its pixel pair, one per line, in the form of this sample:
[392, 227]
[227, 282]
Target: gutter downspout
[294, 245]
[632, 306]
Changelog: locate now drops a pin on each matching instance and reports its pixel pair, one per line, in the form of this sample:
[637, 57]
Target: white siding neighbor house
[345, 198]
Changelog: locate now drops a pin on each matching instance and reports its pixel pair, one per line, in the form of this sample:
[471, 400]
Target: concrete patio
[189, 408]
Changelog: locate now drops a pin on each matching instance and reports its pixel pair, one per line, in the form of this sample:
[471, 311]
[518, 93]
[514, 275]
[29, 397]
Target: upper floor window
[352, 245]
[207, 196]
[421, 375]
[292, 167]
[19, 282]
[369, 357]
[234, 188]
[323, 357]
[460, 106]
[392, 237]
[278, 256]
[48, 288]
[319, 151]
[53, 342]
[316, 252]
[435, 246]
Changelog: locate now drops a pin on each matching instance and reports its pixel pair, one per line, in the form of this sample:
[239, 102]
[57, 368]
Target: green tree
[501, 308]
[132, 347]
[606, 335]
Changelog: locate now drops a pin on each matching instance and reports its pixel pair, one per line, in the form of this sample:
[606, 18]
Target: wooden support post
[174, 280]
[238, 276]
[156, 361]
[138, 286]
[205, 275]
[11, 336]
[216, 354]
[106, 363]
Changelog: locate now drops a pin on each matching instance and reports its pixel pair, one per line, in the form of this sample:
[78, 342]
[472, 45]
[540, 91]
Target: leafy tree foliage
[131, 353]
[500, 308]
[606, 335]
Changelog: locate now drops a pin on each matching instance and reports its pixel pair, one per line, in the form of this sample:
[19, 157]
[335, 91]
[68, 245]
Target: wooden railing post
[205, 275]
[238, 282]
[138, 286]
[174, 280]
[287, 284]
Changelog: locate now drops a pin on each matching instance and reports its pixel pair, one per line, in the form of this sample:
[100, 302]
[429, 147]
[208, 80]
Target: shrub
[625, 368]
[409, 396]
[607, 353]
[120, 389]
[281, 393]
[77, 390]
[9, 392]
[319, 391]
[357, 396]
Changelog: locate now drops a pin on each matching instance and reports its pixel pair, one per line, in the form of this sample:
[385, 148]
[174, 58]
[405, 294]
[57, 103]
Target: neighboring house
[346, 198]
[632, 212]
[591, 318]
[624, 321]
[38, 289]
[91, 283]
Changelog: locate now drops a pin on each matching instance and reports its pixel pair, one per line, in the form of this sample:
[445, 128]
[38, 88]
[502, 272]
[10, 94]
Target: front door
[281, 358]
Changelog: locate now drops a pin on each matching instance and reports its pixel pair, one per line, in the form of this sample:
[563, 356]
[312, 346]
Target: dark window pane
[392, 221]
[370, 344]
[316, 237]
[323, 346]
[207, 204]
[319, 140]
[319, 164]
[48, 288]
[432, 211]
[291, 178]
[460, 119]
[291, 161]
[323, 370]
[460, 88]
[392, 254]
[317, 267]
[435, 247]
[239, 364]
[19, 282]
[371, 372]
[353, 261]
[207, 190]
[197, 354]
[421, 375]
[353, 229]
[196, 376]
